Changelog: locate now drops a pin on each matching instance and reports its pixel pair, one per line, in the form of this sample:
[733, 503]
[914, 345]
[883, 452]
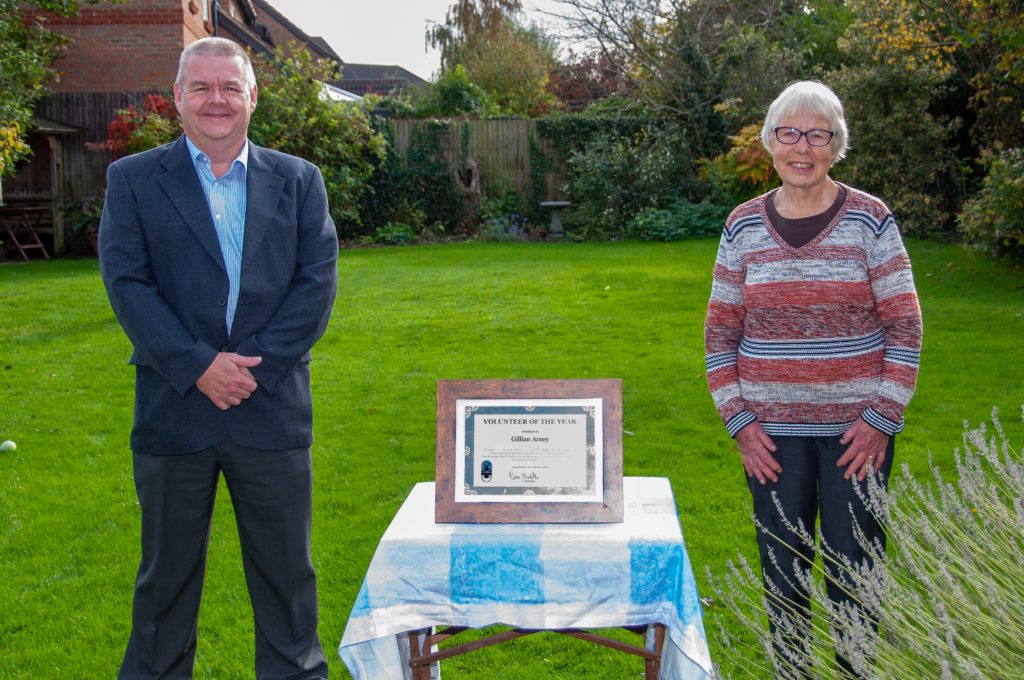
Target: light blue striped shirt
[226, 198]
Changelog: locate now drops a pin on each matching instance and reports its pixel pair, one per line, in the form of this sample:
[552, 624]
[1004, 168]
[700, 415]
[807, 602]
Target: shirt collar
[200, 158]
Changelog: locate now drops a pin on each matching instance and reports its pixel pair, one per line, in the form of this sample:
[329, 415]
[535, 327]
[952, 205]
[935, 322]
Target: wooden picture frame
[598, 401]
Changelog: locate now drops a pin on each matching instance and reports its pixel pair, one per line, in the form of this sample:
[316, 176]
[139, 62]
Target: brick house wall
[122, 48]
[135, 46]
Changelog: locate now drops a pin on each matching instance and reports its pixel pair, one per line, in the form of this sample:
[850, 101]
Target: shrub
[423, 186]
[501, 201]
[293, 116]
[681, 220]
[993, 216]
[390, 105]
[454, 95]
[138, 129]
[946, 598]
[615, 175]
[742, 172]
[393, 234]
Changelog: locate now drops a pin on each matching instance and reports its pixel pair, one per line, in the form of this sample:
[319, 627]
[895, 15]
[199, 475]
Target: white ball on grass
[8, 446]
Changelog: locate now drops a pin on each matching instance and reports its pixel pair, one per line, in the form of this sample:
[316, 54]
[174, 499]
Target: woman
[813, 336]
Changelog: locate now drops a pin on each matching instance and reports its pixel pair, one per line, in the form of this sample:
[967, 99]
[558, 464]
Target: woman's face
[800, 165]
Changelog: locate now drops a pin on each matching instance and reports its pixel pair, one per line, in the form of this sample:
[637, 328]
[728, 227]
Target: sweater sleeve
[892, 284]
[723, 329]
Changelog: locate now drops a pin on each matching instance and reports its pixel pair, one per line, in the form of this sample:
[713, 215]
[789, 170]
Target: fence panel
[501, 150]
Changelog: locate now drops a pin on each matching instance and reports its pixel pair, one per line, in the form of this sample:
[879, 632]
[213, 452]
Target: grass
[406, 317]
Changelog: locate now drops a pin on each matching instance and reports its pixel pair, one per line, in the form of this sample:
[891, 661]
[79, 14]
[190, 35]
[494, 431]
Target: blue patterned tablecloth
[529, 575]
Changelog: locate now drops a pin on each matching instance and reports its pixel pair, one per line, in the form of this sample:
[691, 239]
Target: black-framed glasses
[815, 137]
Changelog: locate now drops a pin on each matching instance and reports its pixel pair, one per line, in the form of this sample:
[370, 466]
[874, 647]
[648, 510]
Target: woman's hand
[757, 448]
[866, 451]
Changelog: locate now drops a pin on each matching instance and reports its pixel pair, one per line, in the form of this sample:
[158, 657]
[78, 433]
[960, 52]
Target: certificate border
[607, 510]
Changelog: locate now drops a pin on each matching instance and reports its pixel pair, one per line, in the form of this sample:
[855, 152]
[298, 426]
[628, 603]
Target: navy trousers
[271, 492]
[810, 487]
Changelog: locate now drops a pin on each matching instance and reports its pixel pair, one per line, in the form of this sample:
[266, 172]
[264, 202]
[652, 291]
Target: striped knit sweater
[805, 340]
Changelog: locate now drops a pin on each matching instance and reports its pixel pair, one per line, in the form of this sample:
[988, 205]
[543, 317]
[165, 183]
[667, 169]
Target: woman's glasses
[791, 135]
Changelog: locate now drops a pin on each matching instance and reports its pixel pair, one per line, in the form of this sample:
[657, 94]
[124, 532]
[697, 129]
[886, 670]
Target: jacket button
[222, 302]
[224, 348]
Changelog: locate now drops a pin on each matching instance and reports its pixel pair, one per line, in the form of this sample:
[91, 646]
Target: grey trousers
[271, 492]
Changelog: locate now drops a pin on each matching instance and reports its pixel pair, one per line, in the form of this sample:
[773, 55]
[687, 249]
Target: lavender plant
[512, 227]
[946, 600]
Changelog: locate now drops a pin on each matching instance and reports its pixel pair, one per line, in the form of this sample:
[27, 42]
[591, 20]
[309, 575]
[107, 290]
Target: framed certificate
[512, 451]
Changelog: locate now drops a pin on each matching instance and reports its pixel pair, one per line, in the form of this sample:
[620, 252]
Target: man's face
[215, 102]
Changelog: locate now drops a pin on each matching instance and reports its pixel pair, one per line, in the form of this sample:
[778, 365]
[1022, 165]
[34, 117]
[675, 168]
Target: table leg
[418, 641]
[653, 666]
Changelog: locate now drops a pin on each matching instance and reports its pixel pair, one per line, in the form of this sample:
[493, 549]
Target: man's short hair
[220, 47]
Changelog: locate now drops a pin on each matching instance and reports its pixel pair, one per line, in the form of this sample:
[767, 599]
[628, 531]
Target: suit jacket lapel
[181, 183]
[263, 193]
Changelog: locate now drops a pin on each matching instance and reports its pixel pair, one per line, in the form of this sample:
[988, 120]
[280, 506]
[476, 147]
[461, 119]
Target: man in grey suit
[220, 261]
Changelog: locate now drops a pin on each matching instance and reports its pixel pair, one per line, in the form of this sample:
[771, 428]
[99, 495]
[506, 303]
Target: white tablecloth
[529, 575]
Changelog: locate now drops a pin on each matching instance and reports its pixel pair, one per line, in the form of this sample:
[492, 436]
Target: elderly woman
[813, 336]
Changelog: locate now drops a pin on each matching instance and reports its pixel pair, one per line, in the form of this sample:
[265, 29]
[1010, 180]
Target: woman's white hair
[808, 96]
[221, 47]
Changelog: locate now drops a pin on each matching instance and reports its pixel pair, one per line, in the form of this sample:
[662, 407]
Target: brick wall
[130, 47]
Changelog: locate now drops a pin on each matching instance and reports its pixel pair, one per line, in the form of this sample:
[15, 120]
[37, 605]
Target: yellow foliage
[919, 35]
[12, 146]
[897, 32]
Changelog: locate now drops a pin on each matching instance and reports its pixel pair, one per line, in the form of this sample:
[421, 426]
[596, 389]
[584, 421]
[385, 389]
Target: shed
[39, 180]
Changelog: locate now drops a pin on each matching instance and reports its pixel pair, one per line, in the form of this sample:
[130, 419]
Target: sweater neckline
[813, 243]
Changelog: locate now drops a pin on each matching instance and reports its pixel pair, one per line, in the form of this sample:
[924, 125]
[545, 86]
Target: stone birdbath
[555, 231]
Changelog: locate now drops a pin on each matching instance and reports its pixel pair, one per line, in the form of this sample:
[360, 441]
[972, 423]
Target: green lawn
[406, 317]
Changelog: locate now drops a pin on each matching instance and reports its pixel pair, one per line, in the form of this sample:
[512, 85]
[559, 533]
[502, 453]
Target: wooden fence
[499, 148]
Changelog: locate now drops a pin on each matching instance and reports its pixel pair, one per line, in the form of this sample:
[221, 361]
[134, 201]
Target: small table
[19, 230]
[533, 577]
[555, 231]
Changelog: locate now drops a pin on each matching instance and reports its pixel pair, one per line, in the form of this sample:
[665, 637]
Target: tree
[668, 52]
[586, 79]
[514, 69]
[899, 150]
[667, 47]
[793, 41]
[511, 62]
[467, 25]
[748, 51]
[27, 53]
[977, 43]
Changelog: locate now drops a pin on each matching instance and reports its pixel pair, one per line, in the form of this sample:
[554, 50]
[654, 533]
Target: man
[220, 261]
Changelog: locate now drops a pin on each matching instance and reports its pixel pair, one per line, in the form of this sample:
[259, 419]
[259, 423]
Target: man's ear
[252, 97]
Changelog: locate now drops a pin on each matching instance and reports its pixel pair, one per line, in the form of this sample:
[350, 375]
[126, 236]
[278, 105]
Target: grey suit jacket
[165, 277]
